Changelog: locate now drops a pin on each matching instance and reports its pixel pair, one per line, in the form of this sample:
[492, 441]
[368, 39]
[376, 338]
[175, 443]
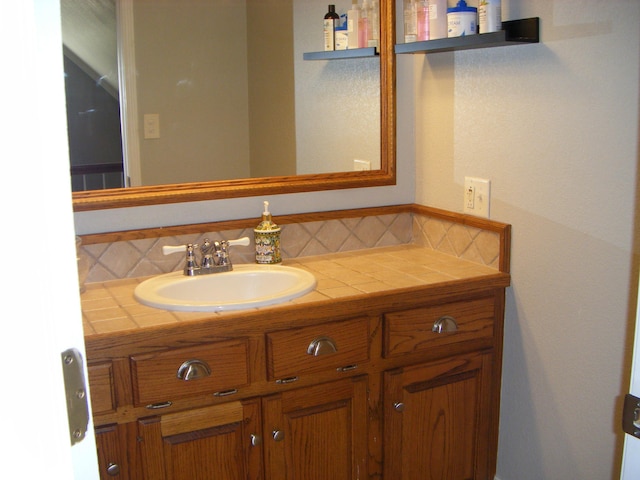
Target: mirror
[265, 183]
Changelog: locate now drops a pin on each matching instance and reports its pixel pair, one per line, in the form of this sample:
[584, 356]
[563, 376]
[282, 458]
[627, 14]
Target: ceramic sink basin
[246, 286]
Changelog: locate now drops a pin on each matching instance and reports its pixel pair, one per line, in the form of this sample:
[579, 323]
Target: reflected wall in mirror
[237, 115]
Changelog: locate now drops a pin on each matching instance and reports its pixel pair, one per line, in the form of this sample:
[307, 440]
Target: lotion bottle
[374, 24]
[331, 20]
[489, 16]
[364, 33]
[437, 19]
[410, 21]
[422, 16]
[353, 20]
[267, 239]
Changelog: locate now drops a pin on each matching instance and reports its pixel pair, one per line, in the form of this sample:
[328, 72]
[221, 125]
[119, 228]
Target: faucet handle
[169, 249]
[191, 265]
[244, 241]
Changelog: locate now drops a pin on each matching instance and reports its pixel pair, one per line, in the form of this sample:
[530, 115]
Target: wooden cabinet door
[318, 432]
[436, 420]
[219, 442]
[112, 456]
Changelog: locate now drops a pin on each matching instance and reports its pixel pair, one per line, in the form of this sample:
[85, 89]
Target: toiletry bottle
[342, 33]
[489, 16]
[410, 21]
[331, 20]
[363, 25]
[267, 239]
[462, 20]
[437, 19]
[353, 19]
[374, 23]
[422, 17]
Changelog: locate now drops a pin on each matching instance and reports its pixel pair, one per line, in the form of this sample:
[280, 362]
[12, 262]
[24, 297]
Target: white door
[40, 302]
[631, 455]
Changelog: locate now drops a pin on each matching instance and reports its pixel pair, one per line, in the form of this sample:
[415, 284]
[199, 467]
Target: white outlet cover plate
[480, 191]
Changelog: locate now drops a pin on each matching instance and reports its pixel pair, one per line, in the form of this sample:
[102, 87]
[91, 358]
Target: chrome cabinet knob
[322, 346]
[278, 435]
[398, 407]
[255, 440]
[444, 324]
[113, 469]
[193, 369]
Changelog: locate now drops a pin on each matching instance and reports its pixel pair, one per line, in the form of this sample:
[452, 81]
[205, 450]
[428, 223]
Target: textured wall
[555, 127]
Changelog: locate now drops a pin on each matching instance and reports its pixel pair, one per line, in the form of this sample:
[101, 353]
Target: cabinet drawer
[317, 348]
[412, 331]
[103, 398]
[156, 375]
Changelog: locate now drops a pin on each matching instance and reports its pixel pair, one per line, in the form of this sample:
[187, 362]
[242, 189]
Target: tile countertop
[110, 307]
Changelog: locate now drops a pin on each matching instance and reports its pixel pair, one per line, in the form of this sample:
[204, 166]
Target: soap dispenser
[267, 239]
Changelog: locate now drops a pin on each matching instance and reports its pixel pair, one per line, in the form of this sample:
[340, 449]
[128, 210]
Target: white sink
[246, 286]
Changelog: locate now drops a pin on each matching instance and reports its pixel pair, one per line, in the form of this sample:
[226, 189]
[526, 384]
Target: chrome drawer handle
[347, 368]
[445, 323]
[193, 369]
[322, 346]
[284, 381]
[226, 393]
[159, 405]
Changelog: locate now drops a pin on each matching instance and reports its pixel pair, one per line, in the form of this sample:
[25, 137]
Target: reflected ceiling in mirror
[301, 135]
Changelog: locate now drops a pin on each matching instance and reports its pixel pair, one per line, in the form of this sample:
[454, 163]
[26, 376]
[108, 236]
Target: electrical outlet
[477, 196]
[359, 165]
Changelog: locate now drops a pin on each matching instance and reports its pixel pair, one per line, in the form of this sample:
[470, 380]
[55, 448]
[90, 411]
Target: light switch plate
[477, 196]
[359, 165]
[151, 125]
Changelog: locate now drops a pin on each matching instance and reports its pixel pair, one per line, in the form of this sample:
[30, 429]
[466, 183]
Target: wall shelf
[341, 54]
[514, 32]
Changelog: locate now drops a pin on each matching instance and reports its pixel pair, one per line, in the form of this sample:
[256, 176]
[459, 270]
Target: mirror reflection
[211, 90]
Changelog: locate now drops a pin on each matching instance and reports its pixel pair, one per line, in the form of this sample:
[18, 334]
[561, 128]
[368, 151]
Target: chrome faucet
[215, 256]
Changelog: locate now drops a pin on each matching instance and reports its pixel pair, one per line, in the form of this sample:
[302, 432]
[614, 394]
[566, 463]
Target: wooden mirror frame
[249, 187]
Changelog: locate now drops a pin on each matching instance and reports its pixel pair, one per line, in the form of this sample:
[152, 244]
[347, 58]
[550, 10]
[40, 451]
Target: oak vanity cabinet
[315, 431]
[408, 391]
[438, 417]
[213, 441]
[318, 432]
[111, 447]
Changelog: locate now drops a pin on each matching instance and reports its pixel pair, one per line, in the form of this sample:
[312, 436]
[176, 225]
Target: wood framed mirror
[261, 186]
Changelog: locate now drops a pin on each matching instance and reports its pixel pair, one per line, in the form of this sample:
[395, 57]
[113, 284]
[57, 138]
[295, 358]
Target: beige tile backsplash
[140, 258]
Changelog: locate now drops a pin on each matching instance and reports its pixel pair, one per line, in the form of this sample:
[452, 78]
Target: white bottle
[437, 19]
[489, 16]
[374, 23]
[410, 21]
[353, 19]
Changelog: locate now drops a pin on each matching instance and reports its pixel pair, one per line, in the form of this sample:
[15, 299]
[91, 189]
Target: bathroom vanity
[390, 369]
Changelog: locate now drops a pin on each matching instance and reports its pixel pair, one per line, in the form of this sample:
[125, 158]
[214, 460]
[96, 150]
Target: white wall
[177, 48]
[555, 128]
[337, 102]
